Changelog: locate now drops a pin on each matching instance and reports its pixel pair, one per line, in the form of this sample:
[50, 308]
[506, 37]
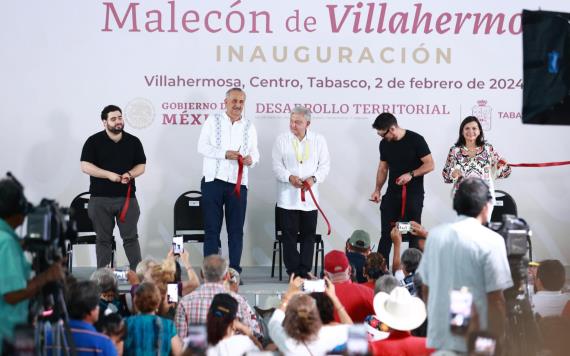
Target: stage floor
[258, 284]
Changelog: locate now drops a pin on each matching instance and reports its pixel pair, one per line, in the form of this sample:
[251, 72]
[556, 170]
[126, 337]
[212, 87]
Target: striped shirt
[88, 342]
[193, 308]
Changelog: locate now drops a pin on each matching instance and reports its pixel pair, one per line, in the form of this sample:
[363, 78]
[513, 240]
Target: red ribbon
[125, 208]
[237, 188]
[307, 186]
[545, 164]
[403, 210]
[404, 196]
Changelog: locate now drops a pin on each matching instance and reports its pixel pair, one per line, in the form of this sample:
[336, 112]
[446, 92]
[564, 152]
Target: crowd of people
[444, 294]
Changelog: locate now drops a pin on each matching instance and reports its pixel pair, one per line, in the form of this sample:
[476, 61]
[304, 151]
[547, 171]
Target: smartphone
[357, 343]
[120, 275]
[460, 310]
[177, 245]
[404, 227]
[317, 285]
[197, 339]
[172, 292]
[485, 346]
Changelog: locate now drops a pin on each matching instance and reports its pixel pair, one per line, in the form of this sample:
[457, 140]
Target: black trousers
[390, 212]
[302, 225]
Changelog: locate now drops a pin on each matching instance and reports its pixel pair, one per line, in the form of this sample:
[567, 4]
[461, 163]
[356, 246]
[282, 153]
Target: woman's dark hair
[302, 321]
[480, 139]
[222, 313]
[111, 325]
[325, 306]
[375, 265]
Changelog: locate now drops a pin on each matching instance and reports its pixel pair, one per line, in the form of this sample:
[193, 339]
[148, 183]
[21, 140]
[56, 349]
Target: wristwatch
[412, 173]
[314, 179]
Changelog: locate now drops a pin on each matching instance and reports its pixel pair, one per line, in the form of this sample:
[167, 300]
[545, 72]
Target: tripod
[52, 329]
[522, 334]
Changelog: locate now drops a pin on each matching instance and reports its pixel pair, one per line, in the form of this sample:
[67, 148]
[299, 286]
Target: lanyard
[301, 157]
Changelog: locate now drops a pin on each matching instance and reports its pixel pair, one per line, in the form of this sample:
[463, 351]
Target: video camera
[516, 233]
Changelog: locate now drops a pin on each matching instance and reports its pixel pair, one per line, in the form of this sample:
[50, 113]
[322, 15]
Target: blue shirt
[14, 273]
[88, 342]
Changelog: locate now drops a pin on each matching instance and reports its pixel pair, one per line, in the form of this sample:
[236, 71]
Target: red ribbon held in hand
[237, 188]
[532, 165]
[307, 186]
[125, 208]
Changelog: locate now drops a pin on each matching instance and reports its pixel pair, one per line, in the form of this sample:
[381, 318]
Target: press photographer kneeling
[15, 286]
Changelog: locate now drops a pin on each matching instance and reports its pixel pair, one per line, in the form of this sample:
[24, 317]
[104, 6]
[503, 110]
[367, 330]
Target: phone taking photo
[310, 286]
[460, 310]
[177, 245]
[172, 292]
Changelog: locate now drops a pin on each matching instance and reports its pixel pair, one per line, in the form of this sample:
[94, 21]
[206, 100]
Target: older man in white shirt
[300, 159]
[227, 141]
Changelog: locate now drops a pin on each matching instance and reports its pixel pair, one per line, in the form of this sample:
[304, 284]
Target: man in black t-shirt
[113, 159]
[406, 156]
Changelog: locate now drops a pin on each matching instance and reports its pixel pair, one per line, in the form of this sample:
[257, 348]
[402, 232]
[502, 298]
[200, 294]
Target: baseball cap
[360, 238]
[336, 261]
[224, 304]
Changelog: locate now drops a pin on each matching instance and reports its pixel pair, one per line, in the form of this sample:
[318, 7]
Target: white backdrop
[62, 61]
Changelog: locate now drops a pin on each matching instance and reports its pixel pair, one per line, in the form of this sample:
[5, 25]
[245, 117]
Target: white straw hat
[399, 310]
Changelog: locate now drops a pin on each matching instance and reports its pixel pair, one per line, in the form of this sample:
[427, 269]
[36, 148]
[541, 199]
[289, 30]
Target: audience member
[222, 325]
[386, 284]
[296, 327]
[83, 309]
[356, 298]
[549, 299]
[110, 297]
[193, 308]
[357, 248]
[15, 286]
[465, 254]
[113, 326]
[410, 261]
[147, 333]
[402, 313]
[374, 268]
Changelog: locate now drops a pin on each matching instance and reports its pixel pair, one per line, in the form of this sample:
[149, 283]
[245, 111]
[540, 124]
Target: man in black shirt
[406, 156]
[113, 158]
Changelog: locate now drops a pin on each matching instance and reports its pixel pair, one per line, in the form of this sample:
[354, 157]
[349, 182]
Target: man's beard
[115, 130]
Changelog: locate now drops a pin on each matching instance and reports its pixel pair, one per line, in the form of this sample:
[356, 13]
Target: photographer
[15, 287]
[465, 254]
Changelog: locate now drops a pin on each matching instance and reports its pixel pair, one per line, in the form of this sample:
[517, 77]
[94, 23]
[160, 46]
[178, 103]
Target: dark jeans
[104, 212]
[217, 195]
[390, 212]
[302, 224]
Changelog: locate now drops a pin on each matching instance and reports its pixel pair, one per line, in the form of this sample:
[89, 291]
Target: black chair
[319, 248]
[85, 232]
[188, 217]
[504, 204]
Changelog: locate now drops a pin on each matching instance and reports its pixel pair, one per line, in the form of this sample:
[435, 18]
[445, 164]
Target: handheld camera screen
[310, 286]
[177, 245]
[460, 310]
[172, 292]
